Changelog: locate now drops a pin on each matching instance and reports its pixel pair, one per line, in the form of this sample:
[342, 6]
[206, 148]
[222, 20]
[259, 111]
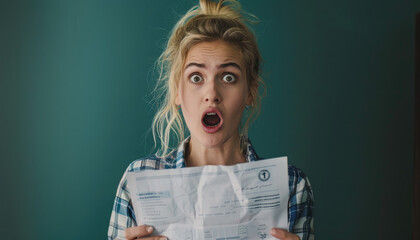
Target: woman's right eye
[195, 78]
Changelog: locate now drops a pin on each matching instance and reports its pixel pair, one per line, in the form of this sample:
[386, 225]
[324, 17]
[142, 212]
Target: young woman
[210, 73]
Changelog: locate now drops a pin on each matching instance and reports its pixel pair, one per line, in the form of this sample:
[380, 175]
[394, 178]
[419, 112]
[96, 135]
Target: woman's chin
[213, 140]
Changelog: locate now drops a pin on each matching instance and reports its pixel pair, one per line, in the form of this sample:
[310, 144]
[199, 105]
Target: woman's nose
[214, 99]
[213, 93]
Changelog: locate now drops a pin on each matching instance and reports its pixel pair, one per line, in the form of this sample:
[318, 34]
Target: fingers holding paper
[141, 232]
[283, 234]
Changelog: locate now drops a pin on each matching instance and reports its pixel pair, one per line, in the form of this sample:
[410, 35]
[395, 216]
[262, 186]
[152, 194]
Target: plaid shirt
[301, 201]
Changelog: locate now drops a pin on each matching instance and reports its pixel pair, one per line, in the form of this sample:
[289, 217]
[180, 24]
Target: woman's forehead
[220, 51]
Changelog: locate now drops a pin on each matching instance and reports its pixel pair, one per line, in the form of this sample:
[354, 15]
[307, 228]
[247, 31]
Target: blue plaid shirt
[301, 200]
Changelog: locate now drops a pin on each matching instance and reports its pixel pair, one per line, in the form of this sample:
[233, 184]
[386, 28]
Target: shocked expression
[213, 92]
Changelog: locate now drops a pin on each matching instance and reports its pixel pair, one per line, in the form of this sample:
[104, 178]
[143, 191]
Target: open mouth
[211, 119]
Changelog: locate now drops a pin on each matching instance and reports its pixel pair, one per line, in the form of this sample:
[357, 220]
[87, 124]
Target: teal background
[75, 108]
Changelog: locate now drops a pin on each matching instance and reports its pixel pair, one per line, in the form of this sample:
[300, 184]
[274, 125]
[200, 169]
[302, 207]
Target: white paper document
[242, 201]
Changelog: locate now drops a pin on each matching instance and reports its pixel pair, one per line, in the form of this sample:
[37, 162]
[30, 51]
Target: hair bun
[225, 8]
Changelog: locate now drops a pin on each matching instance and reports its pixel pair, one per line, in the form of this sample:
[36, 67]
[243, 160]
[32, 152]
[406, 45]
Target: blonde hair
[209, 21]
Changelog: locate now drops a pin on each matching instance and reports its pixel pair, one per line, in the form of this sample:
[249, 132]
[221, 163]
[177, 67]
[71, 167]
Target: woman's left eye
[229, 78]
[195, 78]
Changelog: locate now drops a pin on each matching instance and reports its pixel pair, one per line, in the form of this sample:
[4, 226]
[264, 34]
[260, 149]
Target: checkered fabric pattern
[301, 200]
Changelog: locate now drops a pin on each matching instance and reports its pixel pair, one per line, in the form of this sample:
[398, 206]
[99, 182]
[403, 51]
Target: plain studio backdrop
[75, 108]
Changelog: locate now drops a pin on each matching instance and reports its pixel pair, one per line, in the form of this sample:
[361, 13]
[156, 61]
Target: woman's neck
[229, 153]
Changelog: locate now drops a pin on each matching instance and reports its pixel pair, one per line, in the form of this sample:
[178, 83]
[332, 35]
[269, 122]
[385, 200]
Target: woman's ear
[251, 93]
[249, 99]
[177, 99]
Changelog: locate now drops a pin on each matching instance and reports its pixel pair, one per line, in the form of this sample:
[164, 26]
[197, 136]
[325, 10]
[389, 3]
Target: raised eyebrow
[233, 64]
[200, 65]
[224, 65]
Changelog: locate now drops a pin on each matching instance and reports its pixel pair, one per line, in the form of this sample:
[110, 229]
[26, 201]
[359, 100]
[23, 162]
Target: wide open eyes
[227, 78]
[195, 78]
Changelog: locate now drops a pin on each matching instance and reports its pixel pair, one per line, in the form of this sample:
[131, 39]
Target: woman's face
[213, 92]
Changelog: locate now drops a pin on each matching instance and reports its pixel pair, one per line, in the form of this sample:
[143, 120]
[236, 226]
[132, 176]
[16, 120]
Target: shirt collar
[250, 155]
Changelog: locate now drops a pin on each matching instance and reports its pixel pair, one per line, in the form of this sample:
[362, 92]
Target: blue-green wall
[74, 104]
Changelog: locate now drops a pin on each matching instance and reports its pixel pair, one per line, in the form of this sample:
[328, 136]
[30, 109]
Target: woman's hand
[283, 234]
[140, 232]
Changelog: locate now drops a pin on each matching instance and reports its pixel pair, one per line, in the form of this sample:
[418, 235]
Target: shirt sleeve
[301, 205]
[122, 215]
